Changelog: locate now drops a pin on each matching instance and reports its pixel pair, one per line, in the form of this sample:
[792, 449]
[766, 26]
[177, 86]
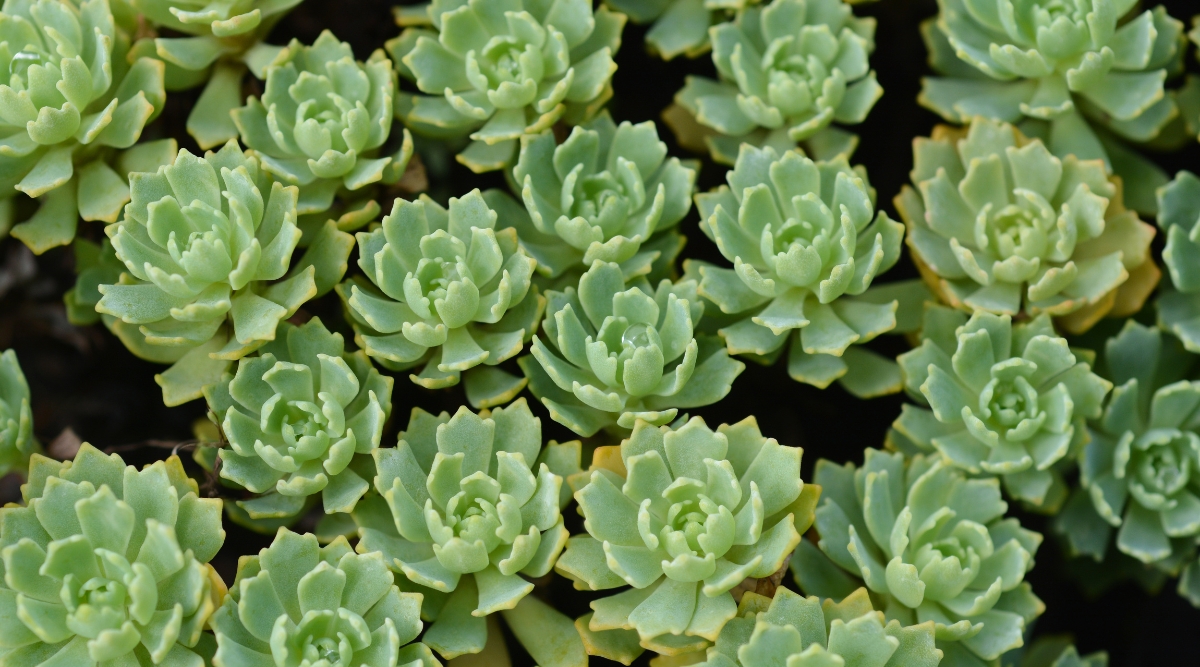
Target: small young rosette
[299, 603]
[678, 27]
[998, 223]
[931, 544]
[466, 506]
[108, 564]
[788, 71]
[322, 121]
[683, 515]
[1004, 399]
[446, 288]
[609, 193]
[208, 243]
[1179, 213]
[805, 242]
[1140, 470]
[295, 416]
[1088, 72]
[615, 351]
[16, 417]
[810, 632]
[71, 98]
[495, 70]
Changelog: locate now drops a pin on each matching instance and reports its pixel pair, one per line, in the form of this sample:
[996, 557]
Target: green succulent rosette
[466, 505]
[217, 43]
[678, 27]
[106, 564]
[615, 351]
[1087, 75]
[71, 104]
[805, 242]
[931, 544]
[1179, 304]
[296, 415]
[998, 223]
[299, 603]
[683, 515]
[495, 70]
[609, 193]
[16, 417]
[321, 125]
[810, 632]
[444, 287]
[1003, 399]
[207, 246]
[787, 71]
[1140, 470]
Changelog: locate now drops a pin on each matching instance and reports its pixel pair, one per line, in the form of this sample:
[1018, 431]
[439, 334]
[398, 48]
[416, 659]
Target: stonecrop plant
[678, 27]
[1179, 213]
[16, 417]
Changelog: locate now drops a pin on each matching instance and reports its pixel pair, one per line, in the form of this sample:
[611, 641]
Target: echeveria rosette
[447, 287]
[299, 603]
[295, 415]
[466, 505]
[108, 564]
[1179, 213]
[1087, 74]
[495, 70]
[322, 123]
[615, 351]
[218, 41]
[683, 515]
[609, 193]
[71, 103]
[1003, 399]
[678, 27]
[998, 223]
[207, 243]
[788, 70]
[805, 242]
[931, 544]
[16, 417]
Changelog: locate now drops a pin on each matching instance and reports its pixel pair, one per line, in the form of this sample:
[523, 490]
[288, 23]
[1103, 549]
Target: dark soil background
[84, 380]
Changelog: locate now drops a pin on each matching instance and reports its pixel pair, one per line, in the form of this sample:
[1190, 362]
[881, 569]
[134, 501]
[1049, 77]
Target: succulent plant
[607, 193]
[1090, 73]
[495, 70]
[616, 351]
[295, 415]
[1058, 651]
[108, 564]
[998, 223]
[805, 243]
[446, 288]
[208, 242]
[931, 543]
[1179, 304]
[1004, 399]
[322, 122]
[218, 42]
[16, 417]
[72, 102]
[1140, 468]
[788, 70]
[299, 603]
[683, 515]
[462, 514]
[679, 27]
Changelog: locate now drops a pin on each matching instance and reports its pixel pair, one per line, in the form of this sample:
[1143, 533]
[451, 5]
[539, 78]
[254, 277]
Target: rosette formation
[609, 193]
[616, 351]
[466, 505]
[678, 27]
[299, 603]
[787, 71]
[207, 244]
[16, 417]
[1004, 399]
[72, 102]
[495, 70]
[805, 243]
[1087, 75]
[998, 223]
[445, 288]
[682, 516]
[931, 544]
[296, 415]
[1179, 304]
[108, 564]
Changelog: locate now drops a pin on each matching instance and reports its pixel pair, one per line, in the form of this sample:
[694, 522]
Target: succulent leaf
[16, 417]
